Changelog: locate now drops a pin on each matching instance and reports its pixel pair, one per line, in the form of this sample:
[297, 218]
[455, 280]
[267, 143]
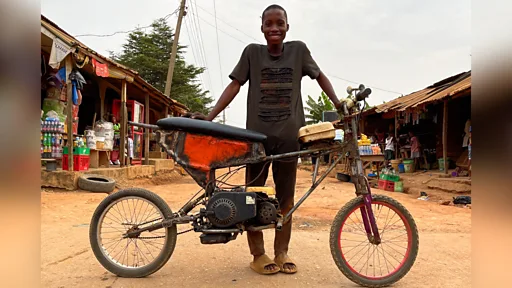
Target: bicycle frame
[202, 170]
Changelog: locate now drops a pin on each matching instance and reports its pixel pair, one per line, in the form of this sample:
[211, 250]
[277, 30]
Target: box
[77, 151]
[317, 132]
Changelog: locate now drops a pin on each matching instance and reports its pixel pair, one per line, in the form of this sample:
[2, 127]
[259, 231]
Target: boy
[389, 151]
[274, 108]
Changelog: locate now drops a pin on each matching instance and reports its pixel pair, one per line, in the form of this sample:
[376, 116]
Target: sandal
[262, 262]
[283, 259]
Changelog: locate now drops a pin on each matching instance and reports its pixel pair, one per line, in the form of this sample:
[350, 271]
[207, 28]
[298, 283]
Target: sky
[394, 47]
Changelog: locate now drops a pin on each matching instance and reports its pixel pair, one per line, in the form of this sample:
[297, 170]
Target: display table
[368, 160]
[100, 158]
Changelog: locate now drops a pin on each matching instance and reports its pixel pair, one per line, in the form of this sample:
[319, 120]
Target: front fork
[363, 187]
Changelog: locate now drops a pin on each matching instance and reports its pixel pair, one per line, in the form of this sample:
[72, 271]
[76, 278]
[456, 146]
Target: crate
[392, 178]
[77, 150]
[390, 186]
[80, 162]
[382, 184]
[399, 186]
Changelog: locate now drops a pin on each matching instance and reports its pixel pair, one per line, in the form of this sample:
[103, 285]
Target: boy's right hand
[195, 115]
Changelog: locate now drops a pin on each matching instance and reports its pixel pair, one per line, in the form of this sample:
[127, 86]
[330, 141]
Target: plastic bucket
[409, 166]
[441, 163]
[395, 163]
[401, 168]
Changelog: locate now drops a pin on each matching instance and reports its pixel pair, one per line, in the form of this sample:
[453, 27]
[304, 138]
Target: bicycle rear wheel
[368, 264]
[131, 257]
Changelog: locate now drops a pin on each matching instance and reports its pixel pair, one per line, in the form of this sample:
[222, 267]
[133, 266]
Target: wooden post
[445, 135]
[170, 71]
[69, 120]
[103, 89]
[146, 132]
[396, 135]
[166, 112]
[123, 122]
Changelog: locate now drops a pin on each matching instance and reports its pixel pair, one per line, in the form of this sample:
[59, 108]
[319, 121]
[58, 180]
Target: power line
[127, 31]
[259, 41]
[234, 37]
[373, 87]
[220, 64]
[201, 43]
[193, 49]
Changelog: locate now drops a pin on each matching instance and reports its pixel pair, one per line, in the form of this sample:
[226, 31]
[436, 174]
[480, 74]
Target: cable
[218, 45]
[259, 41]
[193, 48]
[128, 31]
[234, 37]
[201, 43]
[373, 87]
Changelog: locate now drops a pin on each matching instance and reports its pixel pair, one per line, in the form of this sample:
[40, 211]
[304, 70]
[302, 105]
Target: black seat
[209, 128]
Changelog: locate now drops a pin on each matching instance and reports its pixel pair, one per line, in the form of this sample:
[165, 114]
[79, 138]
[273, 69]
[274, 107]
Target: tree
[315, 109]
[149, 53]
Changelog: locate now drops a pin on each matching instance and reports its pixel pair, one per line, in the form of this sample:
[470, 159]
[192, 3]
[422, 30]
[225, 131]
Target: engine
[226, 209]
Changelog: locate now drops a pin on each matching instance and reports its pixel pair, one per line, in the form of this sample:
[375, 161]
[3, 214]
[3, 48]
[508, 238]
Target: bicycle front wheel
[374, 265]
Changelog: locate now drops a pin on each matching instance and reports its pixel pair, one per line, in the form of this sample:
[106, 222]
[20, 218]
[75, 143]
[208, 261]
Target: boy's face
[274, 26]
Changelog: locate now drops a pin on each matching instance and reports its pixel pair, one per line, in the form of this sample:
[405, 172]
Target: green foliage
[314, 108]
[148, 52]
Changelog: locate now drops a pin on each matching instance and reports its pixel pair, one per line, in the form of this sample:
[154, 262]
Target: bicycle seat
[210, 128]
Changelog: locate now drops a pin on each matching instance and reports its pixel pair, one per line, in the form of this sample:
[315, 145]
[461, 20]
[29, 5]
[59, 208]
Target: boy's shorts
[389, 154]
[415, 155]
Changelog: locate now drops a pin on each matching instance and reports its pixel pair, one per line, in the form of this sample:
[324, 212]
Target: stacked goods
[51, 137]
[104, 133]
[90, 139]
[367, 148]
[390, 181]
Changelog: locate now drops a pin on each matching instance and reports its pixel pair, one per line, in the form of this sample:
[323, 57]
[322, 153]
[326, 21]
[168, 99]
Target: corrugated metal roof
[128, 73]
[448, 87]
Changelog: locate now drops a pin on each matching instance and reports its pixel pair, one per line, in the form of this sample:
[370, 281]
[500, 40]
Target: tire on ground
[96, 183]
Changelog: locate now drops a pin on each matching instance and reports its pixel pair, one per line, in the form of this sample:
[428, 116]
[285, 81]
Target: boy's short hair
[274, 6]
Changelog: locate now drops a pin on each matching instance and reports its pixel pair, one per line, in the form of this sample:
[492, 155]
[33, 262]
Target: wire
[354, 82]
[128, 31]
[259, 41]
[197, 26]
[218, 45]
[234, 37]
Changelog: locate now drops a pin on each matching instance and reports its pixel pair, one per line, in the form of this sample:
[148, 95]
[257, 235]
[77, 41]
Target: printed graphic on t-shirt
[276, 92]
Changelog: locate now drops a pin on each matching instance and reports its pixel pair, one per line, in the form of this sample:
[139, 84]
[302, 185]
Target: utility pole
[168, 82]
[224, 116]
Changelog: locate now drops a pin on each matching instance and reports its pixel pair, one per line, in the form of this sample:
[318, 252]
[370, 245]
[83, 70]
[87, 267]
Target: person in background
[415, 149]
[114, 157]
[389, 152]
[129, 147]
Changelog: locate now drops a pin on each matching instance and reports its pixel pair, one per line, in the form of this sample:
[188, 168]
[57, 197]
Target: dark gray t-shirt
[274, 101]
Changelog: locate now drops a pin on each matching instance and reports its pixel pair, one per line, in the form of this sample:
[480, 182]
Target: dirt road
[444, 258]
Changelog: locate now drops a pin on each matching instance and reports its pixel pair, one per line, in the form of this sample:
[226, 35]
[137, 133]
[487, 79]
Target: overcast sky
[395, 45]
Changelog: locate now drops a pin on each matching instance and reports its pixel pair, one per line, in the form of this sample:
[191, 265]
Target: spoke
[124, 211]
[362, 223]
[369, 246]
[395, 245]
[392, 257]
[385, 260]
[399, 236]
[380, 210]
[113, 215]
[149, 250]
[358, 252]
[363, 242]
[396, 251]
[117, 243]
[390, 225]
[368, 260]
[378, 258]
[144, 255]
[144, 213]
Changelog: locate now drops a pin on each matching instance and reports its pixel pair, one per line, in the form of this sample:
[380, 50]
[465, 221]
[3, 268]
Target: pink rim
[409, 241]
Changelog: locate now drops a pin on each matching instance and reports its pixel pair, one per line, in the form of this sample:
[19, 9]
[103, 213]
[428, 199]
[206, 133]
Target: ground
[444, 258]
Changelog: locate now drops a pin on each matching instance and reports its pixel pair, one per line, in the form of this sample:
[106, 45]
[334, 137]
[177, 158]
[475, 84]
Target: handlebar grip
[361, 95]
